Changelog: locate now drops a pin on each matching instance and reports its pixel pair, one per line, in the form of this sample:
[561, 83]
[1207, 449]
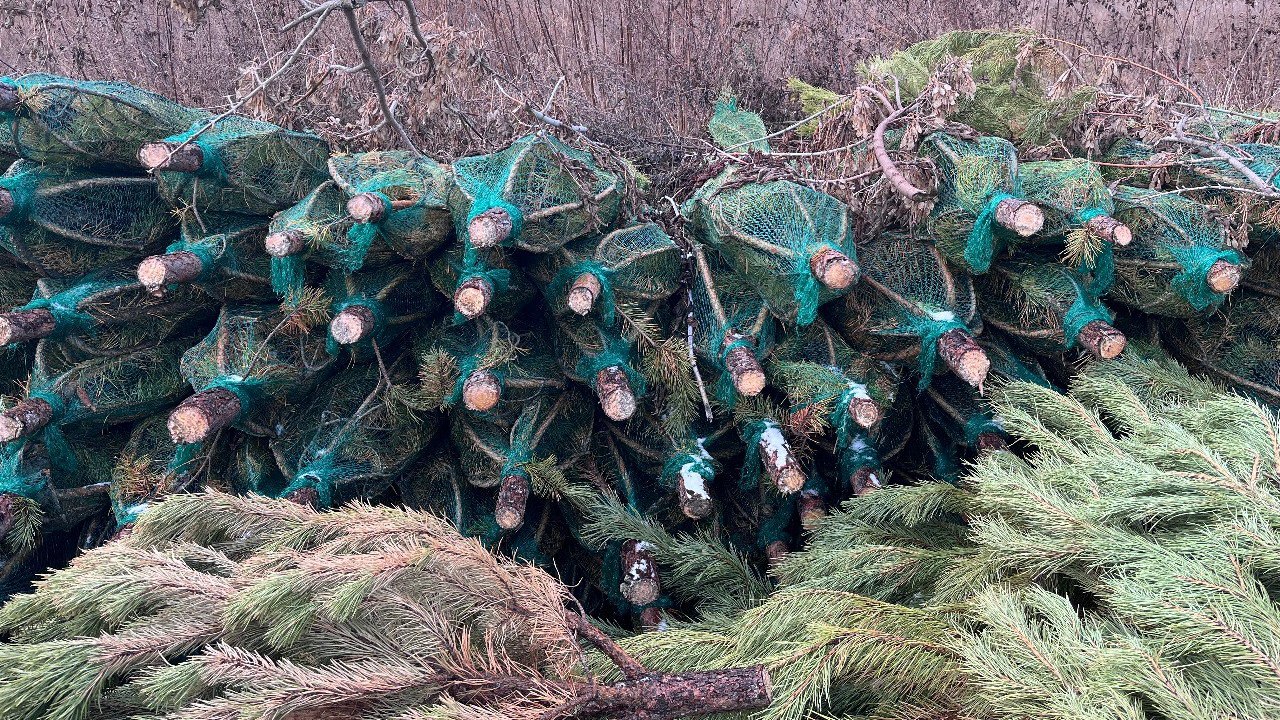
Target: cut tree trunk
[472, 298]
[1223, 276]
[865, 412]
[284, 244]
[490, 228]
[1020, 216]
[1101, 339]
[582, 295]
[640, 582]
[616, 396]
[159, 270]
[780, 463]
[513, 498]
[966, 359]
[23, 325]
[481, 391]
[24, 419]
[695, 500]
[1105, 227]
[353, 324]
[833, 268]
[864, 480]
[744, 369]
[198, 417]
[369, 208]
[172, 157]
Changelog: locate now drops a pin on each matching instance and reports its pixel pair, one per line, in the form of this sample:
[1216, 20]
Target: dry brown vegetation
[641, 74]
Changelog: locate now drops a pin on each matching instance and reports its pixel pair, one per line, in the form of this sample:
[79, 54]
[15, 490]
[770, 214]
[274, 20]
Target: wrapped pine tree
[1078, 211]
[1048, 307]
[396, 197]
[379, 305]
[536, 194]
[92, 394]
[1236, 345]
[794, 245]
[1178, 264]
[43, 493]
[681, 463]
[351, 439]
[956, 410]
[480, 282]
[60, 222]
[104, 312]
[604, 360]
[980, 207]
[732, 328]
[482, 364]
[910, 305]
[151, 467]
[637, 264]
[256, 360]
[497, 450]
[236, 164]
[84, 123]
[221, 254]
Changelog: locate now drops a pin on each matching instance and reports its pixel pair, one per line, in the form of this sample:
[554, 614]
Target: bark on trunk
[695, 501]
[616, 396]
[353, 324]
[7, 503]
[1105, 227]
[583, 293]
[198, 417]
[744, 369]
[1223, 276]
[961, 353]
[833, 268]
[306, 497]
[472, 298]
[159, 270]
[990, 442]
[782, 466]
[1019, 216]
[1101, 339]
[24, 325]
[662, 696]
[863, 481]
[24, 419]
[640, 582]
[490, 228]
[513, 498]
[481, 391]
[284, 244]
[171, 157]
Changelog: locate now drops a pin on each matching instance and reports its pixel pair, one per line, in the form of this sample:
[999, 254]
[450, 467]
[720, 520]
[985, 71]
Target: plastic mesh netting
[974, 177]
[493, 447]
[247, 166]
[233, 265]
[152, 466]
[321, 225]
[1237, 345]
[86, 123]
[1043, 304]
[551, 192]
[62, 222]
[727, 316]
[394, 297]
[1176, 244]
[413, 193]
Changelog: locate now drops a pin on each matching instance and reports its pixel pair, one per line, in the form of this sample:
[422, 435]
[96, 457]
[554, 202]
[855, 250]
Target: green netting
[449, 354]
[1262, 159]
[816, 367]
[321, 221]
[250, 466]
[398, 296]
[973, 178]
[351, 439]
[737, 130]
[108, 311]
[63, 222]
[956, 408]
[257, 353]
[912, 300]
[553, 193]
[249, 166]
[512, 290]
[727, 314]
[104, 391]
[151, 467]
[414, 191]
[1008, 363]
[584, 349]
[1042, 304]
[235, 267]
[1238, 345]
[491, 447]
[84, 123]
[1264, 269]
[769, 232]
[1071, 193]
[25, 471]
[1018, 78]
[1176, 241]
[634, 264]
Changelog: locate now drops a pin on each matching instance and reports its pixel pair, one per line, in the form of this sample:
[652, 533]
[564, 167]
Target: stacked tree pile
[648, 403]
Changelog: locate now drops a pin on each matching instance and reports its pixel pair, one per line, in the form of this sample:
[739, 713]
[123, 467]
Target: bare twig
[1219, 151]
[631, 669]
[366, 61]
[891, 171]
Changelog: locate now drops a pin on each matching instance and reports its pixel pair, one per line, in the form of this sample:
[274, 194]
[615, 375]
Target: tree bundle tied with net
[1050, 308]
[682, 464]
[236, 164]
[635, 264]
[379, 305]
[104, 312]
[351, 439]
[1018, 83]
[1178, 264]
[397, 197]
[221, 254]
[732, 328]
[60, 222]
[536, 194]
[603, 359]
[255, 361]
[910, 305]
[484, 363]
[794, 245]
[38, 495]
[481, 282]
[151, 466]
[958, 413]
[1237, 345]
[316, 229]
[84, 123]
[980, 207]
[1078, 210]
